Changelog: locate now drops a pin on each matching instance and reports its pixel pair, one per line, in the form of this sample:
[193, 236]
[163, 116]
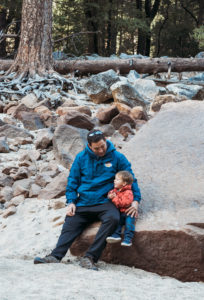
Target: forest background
[81, 27]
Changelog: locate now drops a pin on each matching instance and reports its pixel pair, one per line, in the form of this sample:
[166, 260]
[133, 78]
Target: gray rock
[168, 158]
[67, 142]
[98, 86]
[132, 76]
[189, 91]
[44, 138]
[4, 148]
[124, 92]
[198, 77]
[11, 131]
[200, 55]
[146, 88]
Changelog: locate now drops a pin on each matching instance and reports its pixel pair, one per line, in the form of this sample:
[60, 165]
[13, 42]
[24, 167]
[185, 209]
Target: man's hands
[71, 209]
[111, 195]
[133, 209]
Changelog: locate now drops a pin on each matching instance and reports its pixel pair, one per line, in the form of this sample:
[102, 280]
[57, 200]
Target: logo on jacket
[108, 164]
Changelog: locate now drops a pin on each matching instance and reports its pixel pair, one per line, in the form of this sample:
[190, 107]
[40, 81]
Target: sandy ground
[32, 231]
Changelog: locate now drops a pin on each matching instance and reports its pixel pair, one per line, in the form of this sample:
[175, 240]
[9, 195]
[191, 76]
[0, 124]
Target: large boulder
[67, 142]
[97, 86]
[124, 92]
[167, 157]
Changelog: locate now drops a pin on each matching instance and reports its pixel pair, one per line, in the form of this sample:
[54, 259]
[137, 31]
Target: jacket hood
[110, 148]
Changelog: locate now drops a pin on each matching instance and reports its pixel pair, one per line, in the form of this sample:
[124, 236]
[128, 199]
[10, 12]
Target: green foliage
[198, 34]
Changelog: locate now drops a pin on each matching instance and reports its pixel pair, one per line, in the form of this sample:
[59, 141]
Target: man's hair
[95, 136]
[126, 176]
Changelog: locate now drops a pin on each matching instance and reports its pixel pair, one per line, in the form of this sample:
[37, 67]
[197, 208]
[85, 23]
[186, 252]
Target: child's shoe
[113, 239]
[126, 243]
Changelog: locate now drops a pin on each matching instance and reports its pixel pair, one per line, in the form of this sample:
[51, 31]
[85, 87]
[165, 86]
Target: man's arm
[73, 182]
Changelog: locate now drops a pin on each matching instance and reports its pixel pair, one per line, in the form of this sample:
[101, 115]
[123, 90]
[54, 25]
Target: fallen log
[123, 66]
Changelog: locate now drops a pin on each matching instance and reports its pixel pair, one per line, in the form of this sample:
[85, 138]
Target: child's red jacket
[124, 197]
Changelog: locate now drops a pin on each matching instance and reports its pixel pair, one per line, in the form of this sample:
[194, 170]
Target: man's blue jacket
[92, 177]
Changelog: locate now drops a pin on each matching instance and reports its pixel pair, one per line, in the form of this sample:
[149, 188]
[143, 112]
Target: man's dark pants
[109, 216]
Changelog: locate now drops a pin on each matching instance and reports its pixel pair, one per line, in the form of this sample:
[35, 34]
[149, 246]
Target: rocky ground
[40, 134]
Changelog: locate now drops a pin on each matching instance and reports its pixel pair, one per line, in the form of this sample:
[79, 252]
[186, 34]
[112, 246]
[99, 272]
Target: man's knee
[113, 217]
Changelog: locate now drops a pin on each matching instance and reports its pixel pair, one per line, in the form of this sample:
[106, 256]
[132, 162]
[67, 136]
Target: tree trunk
[35, 49]
[91, 12]
[147, 65]
[3, 25]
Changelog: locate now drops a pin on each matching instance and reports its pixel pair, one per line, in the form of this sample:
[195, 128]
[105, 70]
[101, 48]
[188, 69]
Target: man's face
[99, 148]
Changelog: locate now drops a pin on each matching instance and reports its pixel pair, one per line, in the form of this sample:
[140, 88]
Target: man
[91, 178]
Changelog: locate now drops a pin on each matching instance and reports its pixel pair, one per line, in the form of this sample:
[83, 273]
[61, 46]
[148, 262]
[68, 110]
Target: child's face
[118, 182]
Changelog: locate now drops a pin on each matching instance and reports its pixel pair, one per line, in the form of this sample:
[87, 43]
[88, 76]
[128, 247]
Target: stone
[2, 105]
[49, 120]
[167, 159]
[124, 92]
[42, 180]
[9, 212]
[123, 108]
[34, 190]
[77, 119]
[31, 120]
[44, 138]
[42, 109]
[4, 148]
[162, 99]
[189, 91]
[98, 86]
[147, 89]
[22, 187]
[55, 189]
[19, 109]
[67, 142]
[29, 155]
[15, 201]
[125, 130]
[107, 129]
[11, 131]
[21, 173]
[105, 115]
[5, 180]
[29, 100]
[121, 119]
[6, 194]
[63, 110]
[133, 76]
[7, 106]
[138, 113]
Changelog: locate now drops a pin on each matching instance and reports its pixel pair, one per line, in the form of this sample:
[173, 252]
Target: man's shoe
[87, 262]
[46, 260]
[126, 243]
[113, 239]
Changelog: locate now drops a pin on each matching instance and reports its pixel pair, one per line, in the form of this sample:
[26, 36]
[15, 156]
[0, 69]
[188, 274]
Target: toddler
[122, 197]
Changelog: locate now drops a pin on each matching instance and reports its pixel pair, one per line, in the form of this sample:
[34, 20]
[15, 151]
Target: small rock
[9, 212]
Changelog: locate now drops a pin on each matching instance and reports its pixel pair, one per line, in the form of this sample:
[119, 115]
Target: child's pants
[129, 223]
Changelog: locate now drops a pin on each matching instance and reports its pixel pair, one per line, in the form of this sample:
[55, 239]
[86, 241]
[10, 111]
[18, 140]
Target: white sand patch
[22, 279]
[30, 232]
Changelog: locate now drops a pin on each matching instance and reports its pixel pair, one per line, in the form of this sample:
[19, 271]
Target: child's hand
[111, 195]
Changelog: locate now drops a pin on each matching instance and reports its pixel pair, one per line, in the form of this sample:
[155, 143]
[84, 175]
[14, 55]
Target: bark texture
[151, 66]
[35, 49]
